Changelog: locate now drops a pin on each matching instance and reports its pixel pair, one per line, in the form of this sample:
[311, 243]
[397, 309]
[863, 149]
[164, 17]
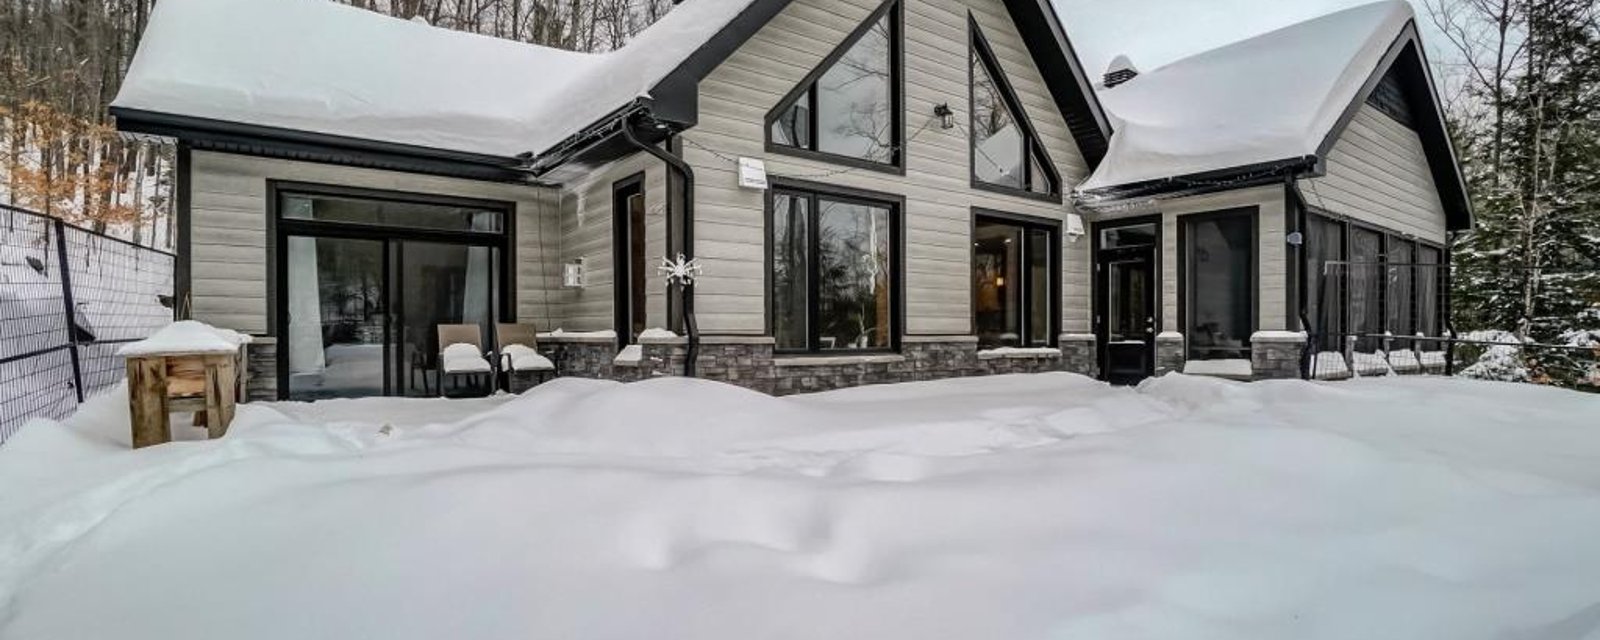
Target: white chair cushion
[525, 359]
[464, 358]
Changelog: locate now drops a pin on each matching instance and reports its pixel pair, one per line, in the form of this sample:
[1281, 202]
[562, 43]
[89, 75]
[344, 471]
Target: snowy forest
[1523, 95]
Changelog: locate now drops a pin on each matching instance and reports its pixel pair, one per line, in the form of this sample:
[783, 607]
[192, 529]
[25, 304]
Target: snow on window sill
[1018, 353]
[826, 361]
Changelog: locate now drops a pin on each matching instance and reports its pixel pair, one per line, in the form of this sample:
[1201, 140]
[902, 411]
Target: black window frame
[1317, 218]
[814, 191]
[978, 48]
[1186, 289]
[280, 228]
[1386, 240]
[896, 165]
[1052, 229]
[1392, 321]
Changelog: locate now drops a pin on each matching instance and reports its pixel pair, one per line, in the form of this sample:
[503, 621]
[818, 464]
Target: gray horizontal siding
[734, 100]
[228, 209]
[1378, 173]
[586, 221]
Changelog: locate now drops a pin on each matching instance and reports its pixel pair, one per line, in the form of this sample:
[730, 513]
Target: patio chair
[461, 354]
[519, 353]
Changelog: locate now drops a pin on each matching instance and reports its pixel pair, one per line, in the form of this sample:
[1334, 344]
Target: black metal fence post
[70, 307]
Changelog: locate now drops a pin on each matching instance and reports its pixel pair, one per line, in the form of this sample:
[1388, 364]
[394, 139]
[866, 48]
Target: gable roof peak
[1261, 100]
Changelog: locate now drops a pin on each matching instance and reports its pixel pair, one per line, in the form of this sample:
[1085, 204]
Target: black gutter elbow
[686, 239]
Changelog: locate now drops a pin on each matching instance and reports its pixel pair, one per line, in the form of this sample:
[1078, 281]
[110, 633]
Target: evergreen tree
[1532, 265]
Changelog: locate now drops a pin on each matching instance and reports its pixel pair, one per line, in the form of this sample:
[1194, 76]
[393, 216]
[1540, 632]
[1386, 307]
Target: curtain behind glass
[1366, 287]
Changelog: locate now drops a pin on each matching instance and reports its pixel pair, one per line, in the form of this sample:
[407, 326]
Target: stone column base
[1079, 354]
[1275, 355]
[262, 382]
[1170, 353]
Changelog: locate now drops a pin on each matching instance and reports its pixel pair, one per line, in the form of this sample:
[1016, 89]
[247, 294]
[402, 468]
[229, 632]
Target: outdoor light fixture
[946, 116]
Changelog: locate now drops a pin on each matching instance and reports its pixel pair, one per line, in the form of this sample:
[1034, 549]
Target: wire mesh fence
[1385, 318]
[69, 298]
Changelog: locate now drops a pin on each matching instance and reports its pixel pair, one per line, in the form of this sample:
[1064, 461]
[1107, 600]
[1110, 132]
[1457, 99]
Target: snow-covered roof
[318, 66]
[1269, 98]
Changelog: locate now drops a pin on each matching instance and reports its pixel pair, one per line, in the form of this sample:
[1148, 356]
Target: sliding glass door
[338, 309]
[364, 283]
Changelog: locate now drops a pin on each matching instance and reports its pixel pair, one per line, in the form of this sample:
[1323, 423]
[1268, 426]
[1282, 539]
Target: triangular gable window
[1006, 153]
[848, 108]
[1390, 98]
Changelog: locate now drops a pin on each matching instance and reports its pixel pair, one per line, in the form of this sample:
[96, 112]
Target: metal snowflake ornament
[681, 271]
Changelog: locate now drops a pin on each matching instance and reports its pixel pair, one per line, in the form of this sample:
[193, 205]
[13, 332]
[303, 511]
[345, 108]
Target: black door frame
[391, 237]
[1099, 257]
[1185, 290]
[622, 283]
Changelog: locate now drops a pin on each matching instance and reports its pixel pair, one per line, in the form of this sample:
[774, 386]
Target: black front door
[1125, 314]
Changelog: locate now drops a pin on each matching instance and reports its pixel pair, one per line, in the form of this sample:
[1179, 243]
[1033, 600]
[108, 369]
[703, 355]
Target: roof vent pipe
[1120, 71]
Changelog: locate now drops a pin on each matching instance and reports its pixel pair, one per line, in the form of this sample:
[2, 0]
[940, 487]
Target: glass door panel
[337, 310]
[437, 284]
[1130, 314]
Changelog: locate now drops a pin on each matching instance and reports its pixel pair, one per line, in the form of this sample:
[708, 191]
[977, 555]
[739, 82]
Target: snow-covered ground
[1045, 506]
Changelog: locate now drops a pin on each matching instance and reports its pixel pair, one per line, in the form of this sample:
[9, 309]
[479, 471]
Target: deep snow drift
[1042, 506]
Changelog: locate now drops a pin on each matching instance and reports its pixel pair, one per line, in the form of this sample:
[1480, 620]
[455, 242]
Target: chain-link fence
[69, 298]
[1391, 318]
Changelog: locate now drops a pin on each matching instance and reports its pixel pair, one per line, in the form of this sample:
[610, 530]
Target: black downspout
[686, 241]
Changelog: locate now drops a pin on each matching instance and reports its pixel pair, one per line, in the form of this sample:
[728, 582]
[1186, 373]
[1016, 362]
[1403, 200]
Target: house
[873, 190]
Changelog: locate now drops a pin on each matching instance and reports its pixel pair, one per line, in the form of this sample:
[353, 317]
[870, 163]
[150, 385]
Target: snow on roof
[314, 65]
[1272, 97]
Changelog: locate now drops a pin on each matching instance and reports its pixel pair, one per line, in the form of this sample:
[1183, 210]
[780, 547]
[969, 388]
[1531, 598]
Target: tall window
[1401, 273]
[1388, 284]
[1325, 285]
[1013, 282]
[1430, 278]
[1366, 288]
[1006, 153]
[1219, 259]
[848, 107]
[833, 270]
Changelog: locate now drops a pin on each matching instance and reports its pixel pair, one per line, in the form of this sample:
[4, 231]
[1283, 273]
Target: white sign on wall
[1074, 226]
[752, 173]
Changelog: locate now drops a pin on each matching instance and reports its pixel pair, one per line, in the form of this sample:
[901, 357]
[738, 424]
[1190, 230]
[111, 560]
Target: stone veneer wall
[1276, 355]
[751, 362]
[262, 383]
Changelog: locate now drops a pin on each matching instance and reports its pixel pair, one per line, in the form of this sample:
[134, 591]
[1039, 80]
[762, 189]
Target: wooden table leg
[221, 385]
[147, 401]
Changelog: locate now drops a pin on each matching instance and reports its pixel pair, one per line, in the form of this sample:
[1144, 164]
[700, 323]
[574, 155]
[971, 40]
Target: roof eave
[1069, 85]
[1240, 177]
[279, 142]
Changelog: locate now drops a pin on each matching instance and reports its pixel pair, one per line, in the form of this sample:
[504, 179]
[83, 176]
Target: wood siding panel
[586, 221]
[229, 212]
[1378, 173]
[734, 100]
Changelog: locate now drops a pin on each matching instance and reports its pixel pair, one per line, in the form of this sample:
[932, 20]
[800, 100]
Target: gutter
[686, 237]
[1241, 177]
